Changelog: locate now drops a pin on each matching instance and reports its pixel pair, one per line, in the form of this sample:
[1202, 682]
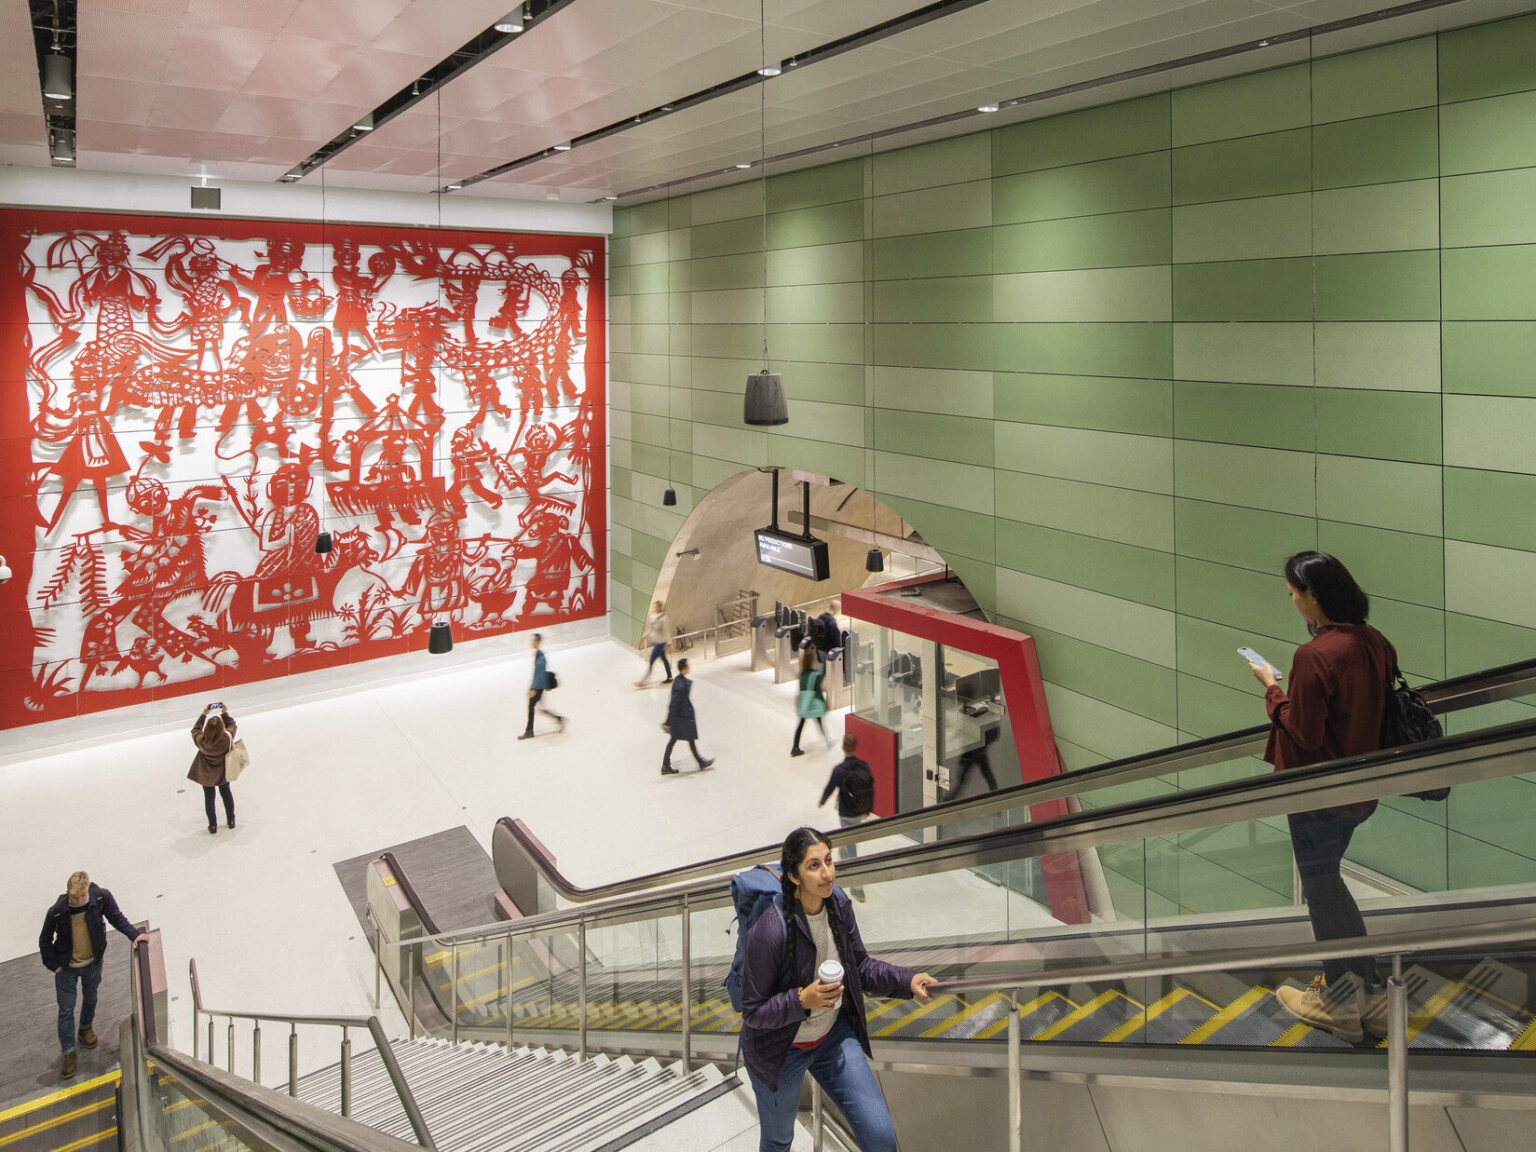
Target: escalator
[1194, 841]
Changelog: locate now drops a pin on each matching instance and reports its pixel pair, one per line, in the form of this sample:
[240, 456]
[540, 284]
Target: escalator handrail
[1450, 695]
[409, 892]
[1457, 938]
[1447, 761]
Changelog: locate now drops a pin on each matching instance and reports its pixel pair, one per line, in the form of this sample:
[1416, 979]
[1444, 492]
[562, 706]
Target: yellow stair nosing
[1224, 1017]
[1103, 999]
[55, 1121]
[918, 1014]
[960, 1017]
[54, 1097]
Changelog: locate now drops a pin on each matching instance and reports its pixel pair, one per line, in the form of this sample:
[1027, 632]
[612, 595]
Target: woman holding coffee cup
[803, 989]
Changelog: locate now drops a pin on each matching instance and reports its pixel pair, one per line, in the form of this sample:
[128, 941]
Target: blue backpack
[753, 892]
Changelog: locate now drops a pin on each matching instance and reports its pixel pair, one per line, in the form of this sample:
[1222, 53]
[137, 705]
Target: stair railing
[1395, 946]
[345, 1023]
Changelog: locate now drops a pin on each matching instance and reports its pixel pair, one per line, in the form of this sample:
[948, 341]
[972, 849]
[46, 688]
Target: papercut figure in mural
[223, 408]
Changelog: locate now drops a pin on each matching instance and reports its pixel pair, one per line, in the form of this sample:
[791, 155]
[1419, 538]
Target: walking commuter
[1338, 687]
[810, 704]
[72, 944]
[854, 784]
[681, 723]
[794, 1022]
[658, 634]
[543, 681]
[214, 734]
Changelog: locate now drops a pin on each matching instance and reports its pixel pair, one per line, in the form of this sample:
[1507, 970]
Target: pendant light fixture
[669, 497]
[323, 542]
[874, 559]
[764, 405]
[440, 638]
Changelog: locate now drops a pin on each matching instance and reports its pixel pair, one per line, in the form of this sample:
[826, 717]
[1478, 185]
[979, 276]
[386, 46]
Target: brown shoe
[1315, 1006]
[67, 1072]
[88, 1037]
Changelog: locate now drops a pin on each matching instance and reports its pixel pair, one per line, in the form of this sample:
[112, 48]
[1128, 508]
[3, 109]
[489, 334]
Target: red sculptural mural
[188, 407]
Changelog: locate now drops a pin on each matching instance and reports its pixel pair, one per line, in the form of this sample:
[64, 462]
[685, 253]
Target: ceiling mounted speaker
[765, 404]
[440, 639]
[323, 543]
[58, 78]
[669, 497]
[874, 561]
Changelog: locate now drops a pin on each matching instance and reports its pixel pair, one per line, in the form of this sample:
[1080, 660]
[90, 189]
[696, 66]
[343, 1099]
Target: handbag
[1407, 719]
[554, 681]
[236, 761]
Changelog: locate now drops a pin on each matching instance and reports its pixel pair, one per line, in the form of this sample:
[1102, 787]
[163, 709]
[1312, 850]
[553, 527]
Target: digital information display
[792, 553]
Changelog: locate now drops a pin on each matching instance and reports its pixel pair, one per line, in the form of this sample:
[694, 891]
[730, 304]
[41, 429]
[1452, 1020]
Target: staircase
[484, 1098]
[78, 1118]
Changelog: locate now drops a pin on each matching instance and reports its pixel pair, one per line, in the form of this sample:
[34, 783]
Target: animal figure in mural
[224, 407]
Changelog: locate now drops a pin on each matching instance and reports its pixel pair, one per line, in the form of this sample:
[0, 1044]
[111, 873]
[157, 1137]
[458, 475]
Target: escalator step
[972, 1020]
[1466, 1013]
[1256, 1019]
[1034, 1017]
[1106, 1013]
[915, 1016]
[1166, 1022]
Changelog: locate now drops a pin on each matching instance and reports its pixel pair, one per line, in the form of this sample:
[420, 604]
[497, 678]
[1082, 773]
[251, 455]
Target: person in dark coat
[793, 1022]
[854, 784]
[543, 681]
[680, 723]
[72, 944]
[1338, 692]
[214, 736]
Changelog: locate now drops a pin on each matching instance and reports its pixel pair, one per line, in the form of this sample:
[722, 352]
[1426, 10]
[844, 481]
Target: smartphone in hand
[1253, 657]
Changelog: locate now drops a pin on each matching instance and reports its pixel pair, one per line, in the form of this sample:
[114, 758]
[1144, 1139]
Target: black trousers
[538, 694]
[976, 758]
[1320, 840]
[229, 804]
[800, 727]
[693, 746]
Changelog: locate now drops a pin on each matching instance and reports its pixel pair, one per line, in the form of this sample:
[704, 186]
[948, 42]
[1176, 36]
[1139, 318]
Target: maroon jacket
[1338, 691]
[771, 1012]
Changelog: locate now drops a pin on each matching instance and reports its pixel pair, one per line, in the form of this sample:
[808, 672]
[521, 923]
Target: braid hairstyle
[796, 844]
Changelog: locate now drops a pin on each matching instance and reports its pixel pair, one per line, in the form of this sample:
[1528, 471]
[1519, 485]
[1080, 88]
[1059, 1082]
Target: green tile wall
[1121, 362]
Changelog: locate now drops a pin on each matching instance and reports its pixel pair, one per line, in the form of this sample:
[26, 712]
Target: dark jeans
[839, 1066]
[64, 988]
[229, 805]
[658, 652]
[800, 727]
[1319, 840]
[666, 757]
[538, 694]
[976, 758]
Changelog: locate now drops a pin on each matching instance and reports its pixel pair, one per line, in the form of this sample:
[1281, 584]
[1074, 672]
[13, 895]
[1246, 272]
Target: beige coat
[208, 765]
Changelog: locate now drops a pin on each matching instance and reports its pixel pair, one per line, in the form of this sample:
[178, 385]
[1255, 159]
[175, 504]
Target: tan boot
[88, 1037]
[1373, 1014]
[1316, 1007]
[67, 1071]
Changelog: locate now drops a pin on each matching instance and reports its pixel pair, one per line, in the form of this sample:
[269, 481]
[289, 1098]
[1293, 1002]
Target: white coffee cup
[831, 973]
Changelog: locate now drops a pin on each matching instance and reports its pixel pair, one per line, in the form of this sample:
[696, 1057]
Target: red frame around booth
[1023, 691]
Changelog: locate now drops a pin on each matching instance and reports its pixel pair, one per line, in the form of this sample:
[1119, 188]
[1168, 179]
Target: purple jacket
[770, 997]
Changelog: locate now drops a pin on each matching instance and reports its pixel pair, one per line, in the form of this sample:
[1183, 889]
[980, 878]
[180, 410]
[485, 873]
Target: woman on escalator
[1338, 692]
[794, 1020]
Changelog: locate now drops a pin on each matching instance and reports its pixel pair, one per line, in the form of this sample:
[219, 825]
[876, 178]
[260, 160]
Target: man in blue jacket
[543, 680]
[72, 943]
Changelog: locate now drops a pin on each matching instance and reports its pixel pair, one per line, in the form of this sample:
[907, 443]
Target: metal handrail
[1447, 761]
[1445, 696]
[371, 1023]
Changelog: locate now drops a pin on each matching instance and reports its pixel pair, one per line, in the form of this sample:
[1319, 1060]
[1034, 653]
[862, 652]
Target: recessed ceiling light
[987, 108]
[743, 165]
[562, 147]
[552, 194]
[610, 197]
[668, 107]
[364, 123]
[511, 23]
[453, 187]
[768, 70]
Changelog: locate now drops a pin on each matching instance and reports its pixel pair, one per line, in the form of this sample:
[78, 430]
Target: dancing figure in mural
[220, 405]
[165, 563]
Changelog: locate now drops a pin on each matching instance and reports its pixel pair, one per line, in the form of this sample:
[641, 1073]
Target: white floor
[260, 907]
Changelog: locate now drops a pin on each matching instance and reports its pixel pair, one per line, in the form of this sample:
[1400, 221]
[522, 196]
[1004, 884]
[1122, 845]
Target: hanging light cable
[874, 559]
[323, 542]
[669, 497]
[764, 405]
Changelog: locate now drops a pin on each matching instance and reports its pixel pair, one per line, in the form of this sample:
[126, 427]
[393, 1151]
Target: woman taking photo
[1338, 691]
[810, 704]
[214, 736]
[793, 1022]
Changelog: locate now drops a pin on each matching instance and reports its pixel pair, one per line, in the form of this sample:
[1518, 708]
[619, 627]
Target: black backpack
[1407, 719]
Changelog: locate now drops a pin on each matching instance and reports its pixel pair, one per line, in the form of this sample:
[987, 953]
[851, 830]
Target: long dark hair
[1341, 599]
[791, 856]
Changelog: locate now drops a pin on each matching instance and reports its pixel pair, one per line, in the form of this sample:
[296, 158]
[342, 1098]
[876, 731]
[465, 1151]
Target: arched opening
[712, 563]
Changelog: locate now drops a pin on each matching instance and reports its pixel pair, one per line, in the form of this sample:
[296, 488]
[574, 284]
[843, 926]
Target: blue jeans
[659, 652]
[851, 851]
[64, 988]
[839, 1066]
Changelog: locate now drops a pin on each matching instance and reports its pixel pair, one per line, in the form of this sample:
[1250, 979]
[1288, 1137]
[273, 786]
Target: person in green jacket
[810, 704]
